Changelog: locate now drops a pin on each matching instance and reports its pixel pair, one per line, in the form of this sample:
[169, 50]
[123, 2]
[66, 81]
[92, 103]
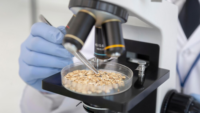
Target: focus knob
[179, 103]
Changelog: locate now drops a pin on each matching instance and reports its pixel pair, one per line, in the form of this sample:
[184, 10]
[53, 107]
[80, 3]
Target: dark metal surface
[166, 101]
[113, 36]
[80, 28]
[175, 102]
[145, 51]
[95, 109]
[70, 23]
[99, 45]
[101, 6]
[147, 105]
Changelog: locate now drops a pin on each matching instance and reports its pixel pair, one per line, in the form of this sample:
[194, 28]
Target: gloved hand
[197, 97]
[42, 54]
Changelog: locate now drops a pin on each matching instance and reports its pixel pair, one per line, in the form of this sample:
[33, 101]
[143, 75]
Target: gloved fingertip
[47, 32]
[62, 29]
[37, 25]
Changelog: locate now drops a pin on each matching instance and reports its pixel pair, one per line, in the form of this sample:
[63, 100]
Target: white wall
[14, 29]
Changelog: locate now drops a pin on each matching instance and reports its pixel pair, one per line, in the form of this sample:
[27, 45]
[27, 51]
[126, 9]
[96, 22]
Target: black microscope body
[109, 43]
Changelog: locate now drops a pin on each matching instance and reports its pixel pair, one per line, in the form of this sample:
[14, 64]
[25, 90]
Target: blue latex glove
[42, 54]
[197, 97]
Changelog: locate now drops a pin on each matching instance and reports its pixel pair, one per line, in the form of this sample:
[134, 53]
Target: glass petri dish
[96, 90]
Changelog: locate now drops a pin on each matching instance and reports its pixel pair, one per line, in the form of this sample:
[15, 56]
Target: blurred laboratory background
[16, 18]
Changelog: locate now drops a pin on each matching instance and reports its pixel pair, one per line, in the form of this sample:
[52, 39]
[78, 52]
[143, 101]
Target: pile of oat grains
[87, 82]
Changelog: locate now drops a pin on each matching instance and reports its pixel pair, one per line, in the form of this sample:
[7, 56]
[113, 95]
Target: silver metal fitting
[98, 62]
[142, 65]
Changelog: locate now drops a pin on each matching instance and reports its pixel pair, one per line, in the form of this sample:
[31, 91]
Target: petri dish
[96, 90]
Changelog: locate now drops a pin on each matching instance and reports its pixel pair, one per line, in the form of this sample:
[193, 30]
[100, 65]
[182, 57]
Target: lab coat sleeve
[34, 101]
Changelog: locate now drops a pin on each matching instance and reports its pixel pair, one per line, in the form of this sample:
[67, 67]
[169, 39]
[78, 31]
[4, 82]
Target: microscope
[140, 34]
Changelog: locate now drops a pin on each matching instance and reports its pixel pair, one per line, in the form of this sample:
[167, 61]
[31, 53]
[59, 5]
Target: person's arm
[33, 101]
[43, 55]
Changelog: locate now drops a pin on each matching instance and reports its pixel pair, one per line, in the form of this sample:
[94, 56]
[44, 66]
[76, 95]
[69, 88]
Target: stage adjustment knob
[179, 103]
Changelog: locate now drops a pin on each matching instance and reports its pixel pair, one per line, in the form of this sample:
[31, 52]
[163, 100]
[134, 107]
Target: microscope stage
[122, 102]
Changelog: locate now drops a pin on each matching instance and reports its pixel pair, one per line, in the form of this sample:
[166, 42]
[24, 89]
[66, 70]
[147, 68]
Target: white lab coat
[187, 50]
